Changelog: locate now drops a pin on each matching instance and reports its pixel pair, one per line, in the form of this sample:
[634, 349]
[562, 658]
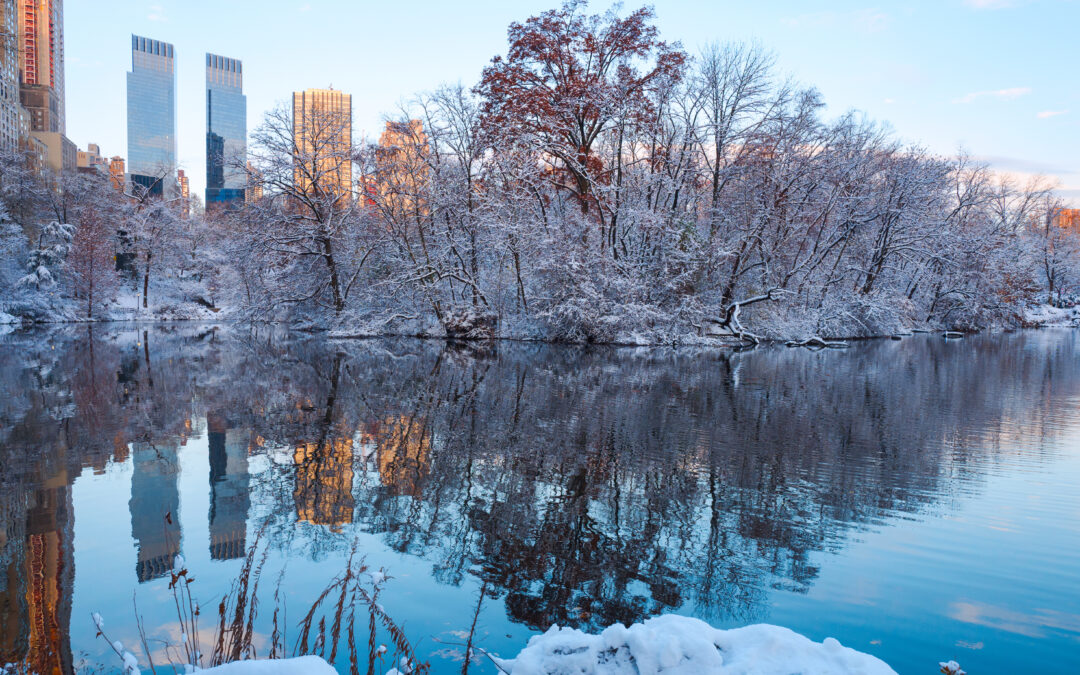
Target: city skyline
[959, 88]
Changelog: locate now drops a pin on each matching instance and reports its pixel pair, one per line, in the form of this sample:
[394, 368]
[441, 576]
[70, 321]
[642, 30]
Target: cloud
[1003, 94]
[863, 20]
[1047, 114]
[890, 101]
[306, 7]
[157, 13]
[993, 4]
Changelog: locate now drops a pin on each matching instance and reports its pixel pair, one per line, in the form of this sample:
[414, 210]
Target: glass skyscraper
[226, 130]
[151, 116]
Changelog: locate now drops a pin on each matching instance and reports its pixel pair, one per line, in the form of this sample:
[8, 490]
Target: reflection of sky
[105, 572]
[984, 581]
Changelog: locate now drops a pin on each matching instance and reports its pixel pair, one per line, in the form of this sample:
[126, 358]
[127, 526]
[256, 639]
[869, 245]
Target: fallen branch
[817, 342]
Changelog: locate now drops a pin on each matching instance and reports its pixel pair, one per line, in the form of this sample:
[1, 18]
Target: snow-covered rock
[678, 645]
[302, 665]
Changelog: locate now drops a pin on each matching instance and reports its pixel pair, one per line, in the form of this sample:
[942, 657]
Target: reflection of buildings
[37, 578]
[229, 499]
[403, 450]
[154, 505]
[324, 481]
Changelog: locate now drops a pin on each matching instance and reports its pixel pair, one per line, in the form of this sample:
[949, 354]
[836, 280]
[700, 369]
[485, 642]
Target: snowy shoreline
[669, 644]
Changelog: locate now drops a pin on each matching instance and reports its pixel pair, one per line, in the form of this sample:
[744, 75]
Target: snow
[677, 645]
[302, 665]
[1048, 315]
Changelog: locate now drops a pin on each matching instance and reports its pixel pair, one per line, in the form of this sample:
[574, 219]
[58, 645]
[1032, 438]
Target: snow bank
[1048, 315]
[302, 665]
[678, 645]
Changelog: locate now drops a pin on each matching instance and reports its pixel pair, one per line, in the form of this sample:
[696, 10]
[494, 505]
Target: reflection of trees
[585, 486]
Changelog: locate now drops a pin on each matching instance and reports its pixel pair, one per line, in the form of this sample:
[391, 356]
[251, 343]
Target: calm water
[917, 500]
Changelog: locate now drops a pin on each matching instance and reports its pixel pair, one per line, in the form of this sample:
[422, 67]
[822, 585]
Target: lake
[916, 499]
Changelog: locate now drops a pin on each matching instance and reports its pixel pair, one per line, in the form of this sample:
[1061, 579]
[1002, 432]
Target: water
[915, 499]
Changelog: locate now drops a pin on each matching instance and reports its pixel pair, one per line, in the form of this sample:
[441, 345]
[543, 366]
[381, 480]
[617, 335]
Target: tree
[566, 78]
[306, 226]
[92, 258]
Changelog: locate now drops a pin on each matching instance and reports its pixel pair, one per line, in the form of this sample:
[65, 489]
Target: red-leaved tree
[567, 78]
[91, 259]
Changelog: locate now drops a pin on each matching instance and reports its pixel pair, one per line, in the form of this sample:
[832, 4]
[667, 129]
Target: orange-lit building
[1069, 219]
[322, 133]
[116, 173]
[401, 164]
[185, 193]
[324, 482]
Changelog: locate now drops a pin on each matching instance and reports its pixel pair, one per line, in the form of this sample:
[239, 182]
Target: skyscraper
[322, 132]
[226, 130]
[41, 63]
[41, 79]
[151, 116]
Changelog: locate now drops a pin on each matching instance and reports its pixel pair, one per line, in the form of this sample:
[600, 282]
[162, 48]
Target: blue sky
[999, 77]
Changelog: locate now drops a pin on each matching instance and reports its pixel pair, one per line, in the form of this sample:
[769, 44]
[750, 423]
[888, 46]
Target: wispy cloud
[306, 7]
[157, 13]
[863, 20]
[993, 4]
[1047, 114]
[1002, 94]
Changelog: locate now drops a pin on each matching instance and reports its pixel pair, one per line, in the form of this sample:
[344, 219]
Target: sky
[998, 78]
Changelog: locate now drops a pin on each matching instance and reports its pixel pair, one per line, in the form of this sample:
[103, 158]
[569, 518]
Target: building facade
[226, 130]
[151, 116]
[322, 133]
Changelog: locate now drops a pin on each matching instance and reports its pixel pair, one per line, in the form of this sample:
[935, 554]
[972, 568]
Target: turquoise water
[915, 499]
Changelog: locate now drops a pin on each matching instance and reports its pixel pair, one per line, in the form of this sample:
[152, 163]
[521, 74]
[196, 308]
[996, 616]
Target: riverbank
[517, 330]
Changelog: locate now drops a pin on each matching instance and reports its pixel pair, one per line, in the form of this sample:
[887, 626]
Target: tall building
[151, 116]
[41, 63]
[226, 130]
[41, 79]
[322, 133]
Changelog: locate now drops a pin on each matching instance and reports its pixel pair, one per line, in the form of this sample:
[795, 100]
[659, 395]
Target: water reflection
[583, 487]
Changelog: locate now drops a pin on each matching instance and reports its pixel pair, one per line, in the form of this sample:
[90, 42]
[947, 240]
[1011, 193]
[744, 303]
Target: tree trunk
[331, 266]
[146, 282]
